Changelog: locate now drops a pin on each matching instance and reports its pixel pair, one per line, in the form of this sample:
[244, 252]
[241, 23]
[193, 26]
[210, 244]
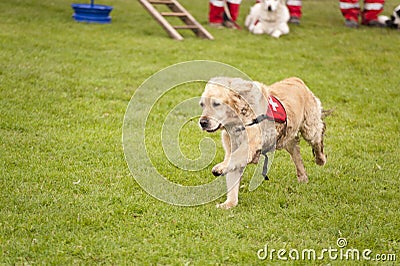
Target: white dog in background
[270, 17]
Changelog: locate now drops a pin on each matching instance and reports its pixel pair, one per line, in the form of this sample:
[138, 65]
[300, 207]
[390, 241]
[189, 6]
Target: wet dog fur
[229, 104]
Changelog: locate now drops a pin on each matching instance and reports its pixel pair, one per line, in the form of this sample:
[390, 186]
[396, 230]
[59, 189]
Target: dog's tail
[326, 113]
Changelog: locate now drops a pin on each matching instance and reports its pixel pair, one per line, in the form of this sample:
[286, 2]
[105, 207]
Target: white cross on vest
[272, 103]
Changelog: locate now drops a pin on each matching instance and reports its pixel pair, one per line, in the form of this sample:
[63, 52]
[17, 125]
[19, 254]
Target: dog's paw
[276, 34]
[302, 179]
[226, 205]
[320, 160]
[219, 169]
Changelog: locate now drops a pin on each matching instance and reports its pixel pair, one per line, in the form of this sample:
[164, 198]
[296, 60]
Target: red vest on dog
[276, 112]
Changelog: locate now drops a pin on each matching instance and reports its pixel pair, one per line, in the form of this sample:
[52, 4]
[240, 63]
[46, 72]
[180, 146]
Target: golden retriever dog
[235, 106]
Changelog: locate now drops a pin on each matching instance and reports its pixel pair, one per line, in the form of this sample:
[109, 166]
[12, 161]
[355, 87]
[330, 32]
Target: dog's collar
[255, 121]
[268, 20]
[276, 112]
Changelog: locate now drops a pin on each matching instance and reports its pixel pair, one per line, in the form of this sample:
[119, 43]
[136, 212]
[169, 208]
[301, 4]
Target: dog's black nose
[269, 8]
[204, 122]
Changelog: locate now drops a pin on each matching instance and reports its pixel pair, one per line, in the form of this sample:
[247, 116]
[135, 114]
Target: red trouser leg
[350, 9]
[215, 14]
[294, 7]
[372, 8]
[234, 10]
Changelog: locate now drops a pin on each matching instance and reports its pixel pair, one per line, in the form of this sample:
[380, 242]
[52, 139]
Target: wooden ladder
[177, 11]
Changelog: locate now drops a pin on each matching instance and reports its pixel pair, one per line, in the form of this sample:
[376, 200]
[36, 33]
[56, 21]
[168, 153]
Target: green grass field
[67, 195]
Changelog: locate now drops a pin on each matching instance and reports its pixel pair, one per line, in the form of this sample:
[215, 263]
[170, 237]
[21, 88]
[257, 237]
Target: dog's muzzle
[205, 124]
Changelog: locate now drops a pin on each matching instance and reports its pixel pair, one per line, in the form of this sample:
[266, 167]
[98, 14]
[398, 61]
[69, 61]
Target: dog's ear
[240, 105]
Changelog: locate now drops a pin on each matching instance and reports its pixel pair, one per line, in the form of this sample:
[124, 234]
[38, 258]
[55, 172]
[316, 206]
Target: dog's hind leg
[294, 150]
[318, 147]
[312, 131]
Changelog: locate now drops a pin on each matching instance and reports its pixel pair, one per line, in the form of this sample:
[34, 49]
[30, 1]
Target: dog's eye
[216, 104]
[201, 104]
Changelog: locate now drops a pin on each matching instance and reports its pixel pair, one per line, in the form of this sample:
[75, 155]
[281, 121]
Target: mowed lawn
[68, 197]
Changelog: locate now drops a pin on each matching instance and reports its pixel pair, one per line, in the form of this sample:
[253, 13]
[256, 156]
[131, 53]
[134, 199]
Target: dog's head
[227, 101]
[270, 5]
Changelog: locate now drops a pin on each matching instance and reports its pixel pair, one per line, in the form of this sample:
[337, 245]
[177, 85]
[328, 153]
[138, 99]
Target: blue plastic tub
[91, 13]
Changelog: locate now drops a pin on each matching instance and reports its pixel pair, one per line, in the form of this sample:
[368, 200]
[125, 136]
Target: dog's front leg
[276, 33]
[239, 160]
[257, 28]
[282, 29]
[232, 183]
[294, 150]
[237, 154]
[221, 168]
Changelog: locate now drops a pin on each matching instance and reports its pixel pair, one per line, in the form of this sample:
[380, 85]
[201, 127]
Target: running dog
[242, 110]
